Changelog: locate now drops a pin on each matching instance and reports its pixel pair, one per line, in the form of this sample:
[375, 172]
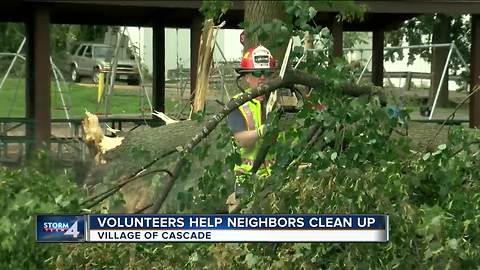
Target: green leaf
[312, 12]
[267, 27]
[58, 199]
[453, 244]
[333, 156]
[251, 260]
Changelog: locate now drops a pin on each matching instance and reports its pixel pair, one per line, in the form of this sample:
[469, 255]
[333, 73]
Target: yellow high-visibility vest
[252, 114]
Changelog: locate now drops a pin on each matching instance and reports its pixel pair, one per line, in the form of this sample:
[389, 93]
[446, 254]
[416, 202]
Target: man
[247, 122]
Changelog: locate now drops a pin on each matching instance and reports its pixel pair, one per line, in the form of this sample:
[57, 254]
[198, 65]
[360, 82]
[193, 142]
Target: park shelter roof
[114, 12]
[379, 14]
[453, 7]
[179, 13]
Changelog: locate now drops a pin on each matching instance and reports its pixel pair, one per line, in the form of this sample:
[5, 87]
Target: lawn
[124, 100]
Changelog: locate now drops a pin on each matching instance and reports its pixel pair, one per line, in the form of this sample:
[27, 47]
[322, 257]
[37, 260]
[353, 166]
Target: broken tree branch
[290, 78]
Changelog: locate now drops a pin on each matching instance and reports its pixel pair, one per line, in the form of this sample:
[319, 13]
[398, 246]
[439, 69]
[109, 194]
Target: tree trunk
[258, 13]
[441, 34]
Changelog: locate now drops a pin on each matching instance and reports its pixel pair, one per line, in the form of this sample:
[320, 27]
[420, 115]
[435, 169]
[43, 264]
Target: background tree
[12, 36]
[263, 18]
[63, 37]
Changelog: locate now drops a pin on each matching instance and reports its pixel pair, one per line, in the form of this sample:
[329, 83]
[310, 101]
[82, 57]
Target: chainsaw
[285, 99]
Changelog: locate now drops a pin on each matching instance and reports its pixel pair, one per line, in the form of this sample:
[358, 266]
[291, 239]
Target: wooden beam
[337, 33]
[474, 114]
[37, 95]
[420, 7]
[158, 84]
[195, 33]
[377, 58]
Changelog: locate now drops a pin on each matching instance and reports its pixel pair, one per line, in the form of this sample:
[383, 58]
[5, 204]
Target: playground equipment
[9, 123]
[60, 83]
[452, 49]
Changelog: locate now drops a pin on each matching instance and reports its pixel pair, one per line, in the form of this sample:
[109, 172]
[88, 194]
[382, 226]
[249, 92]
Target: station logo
[60, 228]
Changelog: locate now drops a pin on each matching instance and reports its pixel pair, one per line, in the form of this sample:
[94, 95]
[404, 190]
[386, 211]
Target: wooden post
[195, 33]
[474, 114]
[408, 81]
[37, 96]
[158, 84]
[337, 33]
[377, 58]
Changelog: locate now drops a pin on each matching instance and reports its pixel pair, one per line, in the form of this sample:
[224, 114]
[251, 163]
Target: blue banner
[61, 228]
[236, 222]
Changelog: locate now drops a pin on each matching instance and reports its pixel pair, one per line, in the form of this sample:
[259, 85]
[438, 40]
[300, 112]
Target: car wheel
[95, 75]
[74, 74]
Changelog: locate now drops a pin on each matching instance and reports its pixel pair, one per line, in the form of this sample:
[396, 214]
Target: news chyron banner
[213, 228]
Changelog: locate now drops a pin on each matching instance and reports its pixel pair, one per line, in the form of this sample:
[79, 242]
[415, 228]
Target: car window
[80, 52]
[102, 52]
[88, 52]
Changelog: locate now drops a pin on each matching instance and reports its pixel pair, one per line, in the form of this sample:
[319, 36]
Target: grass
[125, 100]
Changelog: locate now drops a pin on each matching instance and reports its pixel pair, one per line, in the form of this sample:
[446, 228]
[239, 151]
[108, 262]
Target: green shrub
[37, 188]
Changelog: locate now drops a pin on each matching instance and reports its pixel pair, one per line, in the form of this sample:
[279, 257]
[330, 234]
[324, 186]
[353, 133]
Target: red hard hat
[256, 59]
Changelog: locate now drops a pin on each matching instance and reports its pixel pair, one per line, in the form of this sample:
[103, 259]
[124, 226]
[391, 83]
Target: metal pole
[364, 69]
[460, 56]
[12, 63]
[419, 46]
[14, 54]
[59, 73]
[399, 47]
[221, 74]
[301, 58]
[461, 60]
[113, 68]
[220, 51]
[441, 81]
[142, 79]
[60, 92]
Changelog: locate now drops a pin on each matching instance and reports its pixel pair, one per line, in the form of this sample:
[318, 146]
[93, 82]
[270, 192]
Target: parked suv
[90, 59]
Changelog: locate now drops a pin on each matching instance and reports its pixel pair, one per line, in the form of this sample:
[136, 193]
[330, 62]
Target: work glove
[262, 130]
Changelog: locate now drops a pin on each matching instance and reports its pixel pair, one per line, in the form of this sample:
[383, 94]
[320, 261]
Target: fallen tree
[166, 149]
[162, 153]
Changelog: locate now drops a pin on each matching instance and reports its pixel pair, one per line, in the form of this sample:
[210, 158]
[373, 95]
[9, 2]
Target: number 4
[73, 230]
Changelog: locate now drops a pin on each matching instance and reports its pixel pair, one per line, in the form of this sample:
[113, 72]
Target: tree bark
[258, 13]
[441, 34]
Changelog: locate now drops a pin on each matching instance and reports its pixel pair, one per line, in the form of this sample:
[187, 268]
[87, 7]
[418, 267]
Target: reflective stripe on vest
[248, 116]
